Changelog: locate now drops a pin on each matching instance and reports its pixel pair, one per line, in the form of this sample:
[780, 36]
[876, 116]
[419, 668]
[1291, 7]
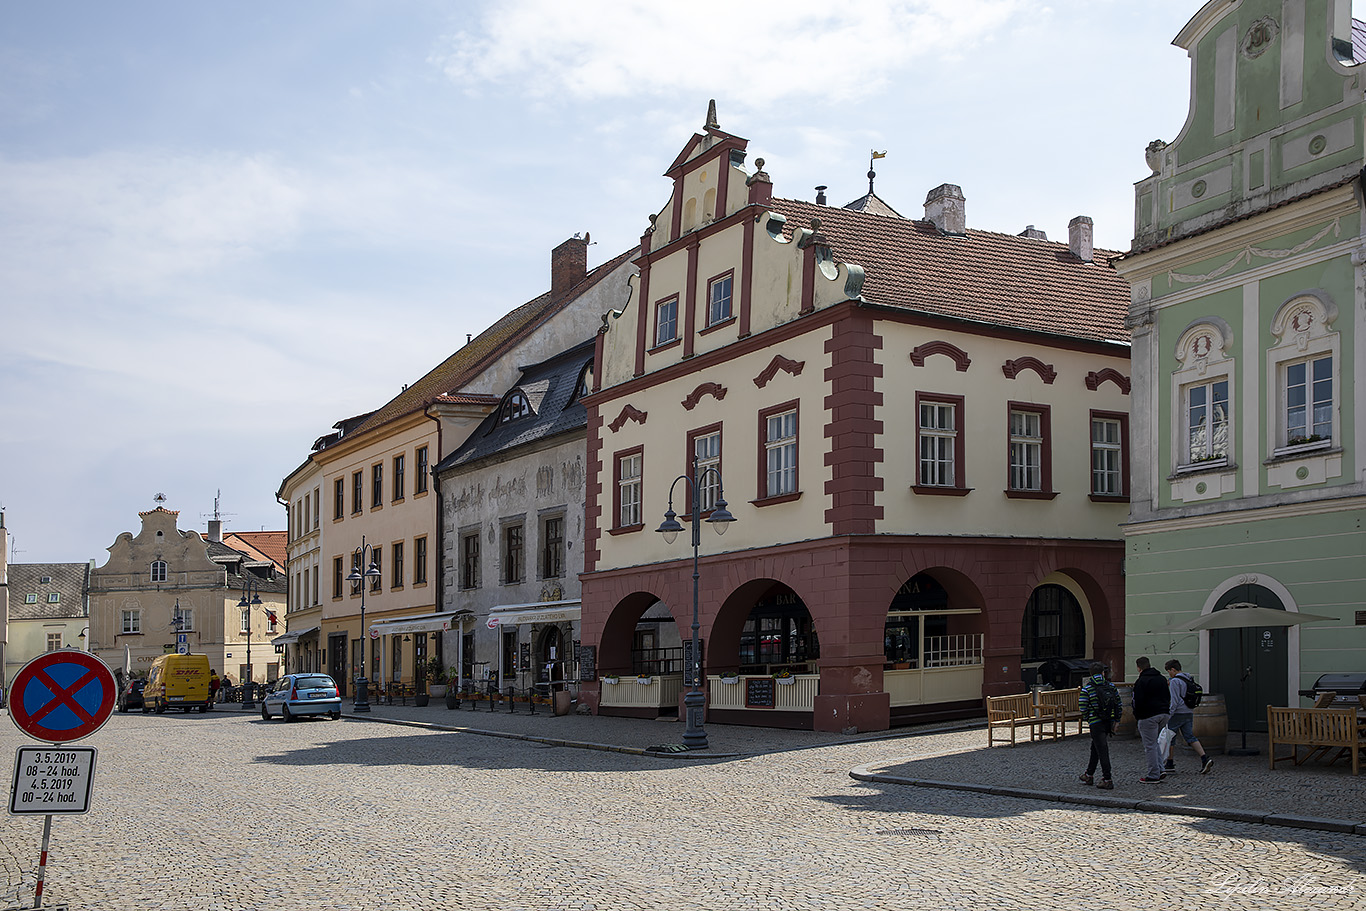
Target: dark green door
[1259, 654]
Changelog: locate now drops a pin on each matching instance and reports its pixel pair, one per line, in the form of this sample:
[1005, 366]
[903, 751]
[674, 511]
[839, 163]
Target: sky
[225, 227]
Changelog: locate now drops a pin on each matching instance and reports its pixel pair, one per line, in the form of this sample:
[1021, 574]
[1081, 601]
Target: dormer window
[515, 407]
[585, 384]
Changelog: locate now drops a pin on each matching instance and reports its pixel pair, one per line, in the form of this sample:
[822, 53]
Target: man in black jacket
[1151, 699]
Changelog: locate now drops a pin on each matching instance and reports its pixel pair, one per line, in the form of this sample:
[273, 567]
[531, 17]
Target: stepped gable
[981, 276]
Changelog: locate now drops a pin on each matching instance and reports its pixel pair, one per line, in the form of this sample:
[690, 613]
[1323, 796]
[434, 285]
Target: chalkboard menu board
[525, 657]
[759, 692]
[689, 666]
[587, 656]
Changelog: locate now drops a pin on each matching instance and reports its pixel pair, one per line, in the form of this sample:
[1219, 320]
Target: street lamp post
[251, 597]
[695, 735]
[359, 559]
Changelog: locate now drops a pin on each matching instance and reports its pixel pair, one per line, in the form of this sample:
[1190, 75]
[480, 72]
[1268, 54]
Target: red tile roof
[269, 545]
[1000, 279]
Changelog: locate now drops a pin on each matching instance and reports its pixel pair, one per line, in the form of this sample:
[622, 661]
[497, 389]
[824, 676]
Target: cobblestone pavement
[224, 811]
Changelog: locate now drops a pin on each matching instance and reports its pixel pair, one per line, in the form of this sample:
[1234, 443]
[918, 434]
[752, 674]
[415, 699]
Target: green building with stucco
[1248, 311]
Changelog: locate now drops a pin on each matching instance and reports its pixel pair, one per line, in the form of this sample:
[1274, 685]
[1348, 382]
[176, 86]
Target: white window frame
[1303, 328]
[780, 453]
[630, 468]
[157, 571]
[1026, 449]
[707, 452]
[187, 619]
[55, 638]
[1107, 458]
[671, 303]
[936, 468]
[1201, 354]
[244, 620]
[1209, 416]
[726, 281]
[131, 621]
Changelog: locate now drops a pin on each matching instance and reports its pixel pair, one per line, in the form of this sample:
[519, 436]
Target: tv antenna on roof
[217, 515]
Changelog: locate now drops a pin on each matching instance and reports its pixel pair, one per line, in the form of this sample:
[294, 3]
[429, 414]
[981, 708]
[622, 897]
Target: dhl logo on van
[188, 672]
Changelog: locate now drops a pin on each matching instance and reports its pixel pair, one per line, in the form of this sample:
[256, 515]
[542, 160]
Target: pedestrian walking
[214, 685]
[1152, 704]
[1100, 708]
[1182, 720]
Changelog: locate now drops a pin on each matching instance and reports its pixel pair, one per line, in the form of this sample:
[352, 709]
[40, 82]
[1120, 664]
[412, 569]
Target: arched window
[901, 634]
[515, 407]
[585, 384]
[1054, 626]
[159, 571]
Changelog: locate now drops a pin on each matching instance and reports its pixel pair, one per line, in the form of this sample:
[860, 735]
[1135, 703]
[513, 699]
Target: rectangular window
[706, 451]
[54, 598]
[337, 577]
[398, 477]
[132, 621]
[1309, 401]
[1207, 421]
[357, 492]
[718, 299]
[552, 547]
[159, 571]
[419, 560]
[317, 506]
[780, 452]
[666, 320]
[420, 482]
[939, 451]
[1030, 473]
[629, 467]
[396, 562]
[1109, 445]
[356, 568]
[31, 598]
[469, 561]
[244, 620]
[513, 560]
[54, 641]
[1026, 450]
[186, 620]
[338, 498]
[377, 559]
[377, 485]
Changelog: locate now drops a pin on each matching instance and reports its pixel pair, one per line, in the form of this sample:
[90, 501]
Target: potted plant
[730, 677]
[611, 679]
[784, 677]
[437, 679]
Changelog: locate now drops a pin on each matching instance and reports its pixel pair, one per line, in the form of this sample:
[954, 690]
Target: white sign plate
[52, 780]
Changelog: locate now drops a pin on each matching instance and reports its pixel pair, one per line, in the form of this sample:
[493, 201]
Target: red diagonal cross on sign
[62, 696]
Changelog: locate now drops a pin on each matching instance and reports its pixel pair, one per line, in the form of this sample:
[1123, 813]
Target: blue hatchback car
[302, 694]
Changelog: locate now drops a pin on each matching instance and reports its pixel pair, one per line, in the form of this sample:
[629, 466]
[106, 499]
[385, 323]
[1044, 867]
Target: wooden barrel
[1127, 726]
[1211, 723]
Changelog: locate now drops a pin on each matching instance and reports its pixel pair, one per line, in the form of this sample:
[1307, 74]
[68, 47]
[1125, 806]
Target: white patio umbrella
[1246, 615]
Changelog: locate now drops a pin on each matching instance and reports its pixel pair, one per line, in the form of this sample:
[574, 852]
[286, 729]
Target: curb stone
[861, 773]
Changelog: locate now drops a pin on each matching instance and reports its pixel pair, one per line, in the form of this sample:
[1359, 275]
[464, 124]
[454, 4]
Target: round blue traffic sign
[62, 696]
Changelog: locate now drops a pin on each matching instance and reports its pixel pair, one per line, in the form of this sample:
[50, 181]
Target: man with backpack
[1185, 696]
[1152, 701]
[1100, 709]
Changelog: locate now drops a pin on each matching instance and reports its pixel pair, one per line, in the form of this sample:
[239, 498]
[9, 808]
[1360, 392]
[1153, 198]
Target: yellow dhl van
[177, 682]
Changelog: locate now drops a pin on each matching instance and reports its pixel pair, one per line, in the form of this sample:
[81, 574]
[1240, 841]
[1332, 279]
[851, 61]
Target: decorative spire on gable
[711, 116]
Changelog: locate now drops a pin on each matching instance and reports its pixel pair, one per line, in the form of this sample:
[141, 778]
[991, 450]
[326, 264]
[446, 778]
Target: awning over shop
[292, 638]
[421, 623]
[537, 612]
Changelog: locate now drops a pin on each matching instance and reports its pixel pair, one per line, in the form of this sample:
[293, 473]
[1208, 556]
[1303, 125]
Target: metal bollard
[512, 706]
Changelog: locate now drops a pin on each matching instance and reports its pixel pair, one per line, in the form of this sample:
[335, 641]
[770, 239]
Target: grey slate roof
[549, 388]
[69, 582]
[238, 564]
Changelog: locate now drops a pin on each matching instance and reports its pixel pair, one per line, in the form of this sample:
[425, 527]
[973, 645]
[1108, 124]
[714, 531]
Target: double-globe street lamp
[251, 597]
[695, 735]
[364, 556]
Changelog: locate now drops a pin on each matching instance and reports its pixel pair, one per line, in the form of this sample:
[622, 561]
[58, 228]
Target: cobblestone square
[223, 812]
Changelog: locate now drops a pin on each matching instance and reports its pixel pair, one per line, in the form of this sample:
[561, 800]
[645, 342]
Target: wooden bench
[1321, 730]
[1068, 705]
[1019, 711]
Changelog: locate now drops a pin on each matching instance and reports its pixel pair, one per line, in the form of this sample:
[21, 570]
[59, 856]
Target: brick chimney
[1079, 236]
[568, 265]
[946, 207]
[216, 530]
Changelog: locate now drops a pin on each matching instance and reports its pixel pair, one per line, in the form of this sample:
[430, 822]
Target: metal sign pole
[42, 862]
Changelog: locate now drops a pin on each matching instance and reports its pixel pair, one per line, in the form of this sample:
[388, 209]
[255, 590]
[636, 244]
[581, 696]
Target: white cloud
[761, 52]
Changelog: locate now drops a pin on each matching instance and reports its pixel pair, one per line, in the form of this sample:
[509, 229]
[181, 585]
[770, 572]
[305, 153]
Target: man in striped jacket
[1100, 709]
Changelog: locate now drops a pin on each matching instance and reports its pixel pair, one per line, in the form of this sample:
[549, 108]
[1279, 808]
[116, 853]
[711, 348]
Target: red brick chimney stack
[568, 265]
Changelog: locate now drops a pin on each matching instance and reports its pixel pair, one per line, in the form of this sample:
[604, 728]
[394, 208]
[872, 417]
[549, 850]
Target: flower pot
[437, 690]
[452, 698]
[786, 681]
[645, 681]
[611, 681]
[421, 699]
[730, 681]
